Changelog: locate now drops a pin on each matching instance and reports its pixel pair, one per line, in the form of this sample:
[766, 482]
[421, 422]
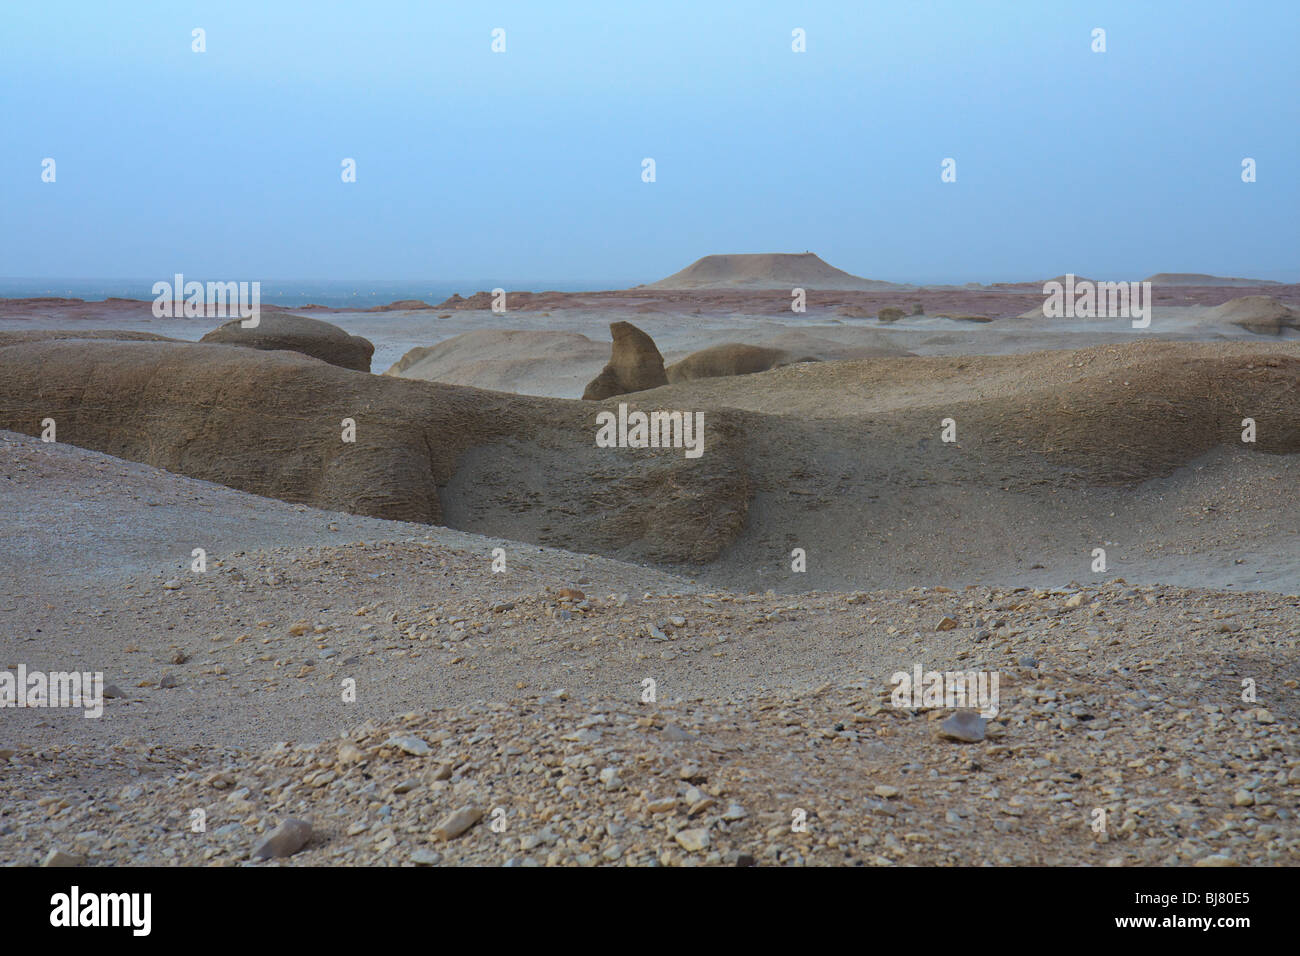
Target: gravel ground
[521, 694]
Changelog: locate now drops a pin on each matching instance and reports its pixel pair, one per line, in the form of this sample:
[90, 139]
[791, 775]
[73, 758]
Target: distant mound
[765, 271]
[634, 365]
[401, 305]
[1061, 280]
[1200, 278]
[730, 358]
[508, 360]
[280, 331]
[1261, 314]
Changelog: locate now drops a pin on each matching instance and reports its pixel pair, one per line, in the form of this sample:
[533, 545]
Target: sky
[527, 163]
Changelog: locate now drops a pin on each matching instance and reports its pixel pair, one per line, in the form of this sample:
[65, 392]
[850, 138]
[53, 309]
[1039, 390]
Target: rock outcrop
[730, 358]
[634, 365]
[281, 331]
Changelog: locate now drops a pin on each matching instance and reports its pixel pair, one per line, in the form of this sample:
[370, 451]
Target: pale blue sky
[527, 164]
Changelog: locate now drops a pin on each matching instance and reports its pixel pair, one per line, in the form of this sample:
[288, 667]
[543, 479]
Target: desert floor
[515, 698]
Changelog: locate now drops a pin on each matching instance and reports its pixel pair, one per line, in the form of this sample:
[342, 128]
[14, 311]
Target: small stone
[169, 680]
[674, 733]
[886, 791]
[693, 840]
[1263, 716]
[409, 743]
[734, 812]
[179, 657]
[947, 624]
[112, 691]
[571, 594]
[60, 858]
[1076, 600]
[406, 786]
[1243, 798]
[1215, 859]
[350, 753]
[172, 585]
[456, 823]
[610, 779]
[426, 857]
[502, 608]
[285, 840]
[966, 726]
[699, 806]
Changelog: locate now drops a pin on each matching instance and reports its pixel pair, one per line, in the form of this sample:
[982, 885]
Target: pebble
[409, 743]
[60, 858]
[693, 840]
[285, 840]
[457, 822]
[966, 726]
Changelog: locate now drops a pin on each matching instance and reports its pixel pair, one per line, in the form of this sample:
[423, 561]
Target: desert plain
[567, 654]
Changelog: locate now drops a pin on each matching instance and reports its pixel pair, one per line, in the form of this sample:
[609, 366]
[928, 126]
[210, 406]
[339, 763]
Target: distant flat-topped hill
[772, 270]
[1200, 278]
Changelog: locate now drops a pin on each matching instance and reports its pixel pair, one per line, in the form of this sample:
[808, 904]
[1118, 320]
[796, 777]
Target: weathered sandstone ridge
[280, 331]
[845, 455]
[634, 365]
[508, 360]
[1261, 314]
[731, 358]
[270, 422]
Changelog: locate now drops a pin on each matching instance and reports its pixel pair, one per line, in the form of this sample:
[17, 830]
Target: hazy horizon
[528, 162]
